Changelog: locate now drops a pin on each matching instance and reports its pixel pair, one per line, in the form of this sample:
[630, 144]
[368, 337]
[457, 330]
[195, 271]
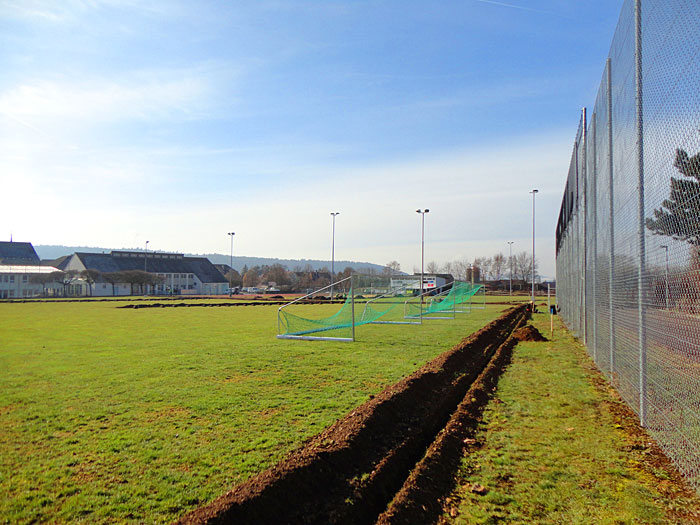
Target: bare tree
[233, 277]
[90, 276]
[392, 268]
[432, 267]
[137, 277]
[498, 263]
[65, 279]
[522, 267]
[113, 278]
[43, 279]
[344, 275]
[157, 279]
[461, 269]
[486, 268]
[448, 268]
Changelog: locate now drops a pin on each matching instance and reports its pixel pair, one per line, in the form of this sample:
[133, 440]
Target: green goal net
[460, 297]
[368, 299]
[365, 299]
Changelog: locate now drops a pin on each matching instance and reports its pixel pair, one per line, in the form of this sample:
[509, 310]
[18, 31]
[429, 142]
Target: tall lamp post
[422, 254]
[510, 261]
[534, 192]
[333, 214]
[230, 273]
[145, 262]
[668, 302]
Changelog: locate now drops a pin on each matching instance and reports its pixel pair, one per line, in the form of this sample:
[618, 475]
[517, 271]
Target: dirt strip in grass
[557, 445]
[349, 472]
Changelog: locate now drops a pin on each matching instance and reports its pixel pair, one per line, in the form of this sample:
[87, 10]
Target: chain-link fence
[628, 236]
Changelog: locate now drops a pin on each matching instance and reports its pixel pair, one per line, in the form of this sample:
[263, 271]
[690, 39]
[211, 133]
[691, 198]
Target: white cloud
[69, 10]
[165, 94]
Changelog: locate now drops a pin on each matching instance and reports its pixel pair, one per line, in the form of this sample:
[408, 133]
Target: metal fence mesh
[628, 236]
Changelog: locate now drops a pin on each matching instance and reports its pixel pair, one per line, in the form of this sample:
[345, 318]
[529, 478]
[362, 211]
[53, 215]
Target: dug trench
[392, 458]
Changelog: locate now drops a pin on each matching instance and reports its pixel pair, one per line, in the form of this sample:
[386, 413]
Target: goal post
[383, 300]
[368, 299]
[294, 322]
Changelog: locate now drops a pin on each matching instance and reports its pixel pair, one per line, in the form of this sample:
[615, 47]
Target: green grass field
[552, 450]
[111, 414]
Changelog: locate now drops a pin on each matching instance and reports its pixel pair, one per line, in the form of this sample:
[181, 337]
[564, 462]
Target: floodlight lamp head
[232, 233]
[535, 191]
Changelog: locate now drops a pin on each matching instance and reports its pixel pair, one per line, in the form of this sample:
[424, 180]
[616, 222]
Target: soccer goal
[461, 297]
[316, 317]
[368, 299]
[431, 305]
[381, 299]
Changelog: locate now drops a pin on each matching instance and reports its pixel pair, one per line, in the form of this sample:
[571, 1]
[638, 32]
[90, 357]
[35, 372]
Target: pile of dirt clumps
[350, 471]
[528, 333]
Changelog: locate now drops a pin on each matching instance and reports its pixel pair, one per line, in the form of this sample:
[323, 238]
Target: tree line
[297, 279]
[494, 268]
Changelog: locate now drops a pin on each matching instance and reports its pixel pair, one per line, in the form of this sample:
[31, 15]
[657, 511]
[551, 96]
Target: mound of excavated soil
[528, 333]
[349, 472]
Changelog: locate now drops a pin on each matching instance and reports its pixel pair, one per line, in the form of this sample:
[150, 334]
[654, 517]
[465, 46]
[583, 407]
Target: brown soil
[390, 459]
[528, 333]
[420, 498]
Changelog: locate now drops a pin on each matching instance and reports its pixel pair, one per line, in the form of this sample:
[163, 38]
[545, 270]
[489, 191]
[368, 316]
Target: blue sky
[176, 122]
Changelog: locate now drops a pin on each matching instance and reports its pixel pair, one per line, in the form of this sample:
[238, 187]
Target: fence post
[612, 220]
[640, 191]
[594, 209]
[583, 206]
[352, 305]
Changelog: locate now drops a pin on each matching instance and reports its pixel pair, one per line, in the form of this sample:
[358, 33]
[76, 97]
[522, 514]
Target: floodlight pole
[510, 261]
[422, 256]
[668, 302]
[145, 262]
[534, 192]
[333, 213]
[230, 273]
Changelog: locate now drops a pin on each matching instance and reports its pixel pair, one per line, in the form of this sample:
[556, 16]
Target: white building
[179, 275]
[23, 281]
[21, 273]
[430, 282]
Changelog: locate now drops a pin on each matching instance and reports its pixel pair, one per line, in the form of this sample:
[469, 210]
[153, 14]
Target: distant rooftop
[149, 255]
[166, 263]
[18, 253]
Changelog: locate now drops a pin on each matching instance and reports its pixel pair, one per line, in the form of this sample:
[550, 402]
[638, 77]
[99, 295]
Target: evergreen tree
[679, 215]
